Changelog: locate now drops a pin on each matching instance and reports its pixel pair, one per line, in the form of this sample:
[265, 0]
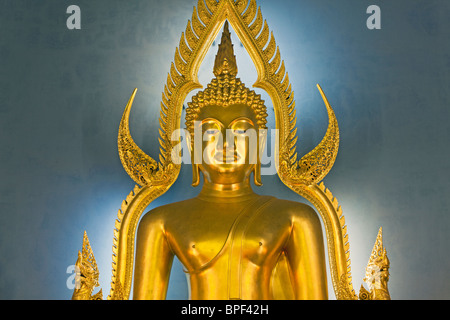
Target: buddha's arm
[153, 260]
[306, 257]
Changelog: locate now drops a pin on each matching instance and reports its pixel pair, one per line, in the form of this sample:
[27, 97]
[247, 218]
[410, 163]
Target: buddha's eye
[241, 126]
[211, 131]
[239, 131]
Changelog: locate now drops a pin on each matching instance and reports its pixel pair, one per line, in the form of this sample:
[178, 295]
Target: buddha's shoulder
[167, 211]
[275, 206]
[292, 209]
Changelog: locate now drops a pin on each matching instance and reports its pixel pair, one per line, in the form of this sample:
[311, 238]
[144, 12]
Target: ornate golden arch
[303, 176]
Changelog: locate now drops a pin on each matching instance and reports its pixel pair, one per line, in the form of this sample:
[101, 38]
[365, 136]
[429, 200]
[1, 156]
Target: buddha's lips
[226, 158]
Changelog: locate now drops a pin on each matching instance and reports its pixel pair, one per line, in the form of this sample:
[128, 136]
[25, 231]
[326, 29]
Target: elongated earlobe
[195, 167]
[195, 175]
[257, 174]
[261, 145]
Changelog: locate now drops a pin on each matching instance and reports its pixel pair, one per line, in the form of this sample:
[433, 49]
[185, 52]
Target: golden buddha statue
[228, 238]
[232, 242]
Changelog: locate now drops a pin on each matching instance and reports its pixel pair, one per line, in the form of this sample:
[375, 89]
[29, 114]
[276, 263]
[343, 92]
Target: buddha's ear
[195, 175]
[189, 142]
[262, 139]
[195, 167]
[262, 142]
[257, 174]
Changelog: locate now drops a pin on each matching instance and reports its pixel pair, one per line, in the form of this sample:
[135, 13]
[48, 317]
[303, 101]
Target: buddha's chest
[257, 238]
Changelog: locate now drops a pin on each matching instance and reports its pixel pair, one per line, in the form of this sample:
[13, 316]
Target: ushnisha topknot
[226, 89]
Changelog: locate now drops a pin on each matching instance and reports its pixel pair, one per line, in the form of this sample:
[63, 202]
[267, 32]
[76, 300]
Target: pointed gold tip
[378, 248]
[322, 94]
[225, 62]
[380, 234]
[226, 27]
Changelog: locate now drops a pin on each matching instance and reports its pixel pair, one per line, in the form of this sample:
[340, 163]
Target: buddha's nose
[222, 142]
[222, 146]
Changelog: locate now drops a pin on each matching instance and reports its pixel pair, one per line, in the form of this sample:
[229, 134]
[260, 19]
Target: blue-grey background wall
[62, 94]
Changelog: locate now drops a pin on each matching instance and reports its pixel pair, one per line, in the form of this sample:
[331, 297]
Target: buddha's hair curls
[224, 91]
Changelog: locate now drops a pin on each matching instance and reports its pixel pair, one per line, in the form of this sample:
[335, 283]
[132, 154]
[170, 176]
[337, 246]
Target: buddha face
[230, 140]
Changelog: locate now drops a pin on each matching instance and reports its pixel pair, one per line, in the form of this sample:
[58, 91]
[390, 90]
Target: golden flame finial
[377, 273]
[378, 251]
[378, 259]
[225, 59]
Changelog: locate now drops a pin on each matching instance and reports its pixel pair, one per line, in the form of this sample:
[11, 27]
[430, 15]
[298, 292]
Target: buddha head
[227, 125]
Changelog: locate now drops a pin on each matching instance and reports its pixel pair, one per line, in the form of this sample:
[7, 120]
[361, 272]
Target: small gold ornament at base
[377, 273]
[87, 274]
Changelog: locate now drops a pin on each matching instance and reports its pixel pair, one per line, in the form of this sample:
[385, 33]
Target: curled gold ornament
[314, 166]
[136, 163]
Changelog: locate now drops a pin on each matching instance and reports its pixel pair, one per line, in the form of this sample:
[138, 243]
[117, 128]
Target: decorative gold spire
[225, 59]
[378, 258]
[226, 89]
[88, 274]
[377, 272]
